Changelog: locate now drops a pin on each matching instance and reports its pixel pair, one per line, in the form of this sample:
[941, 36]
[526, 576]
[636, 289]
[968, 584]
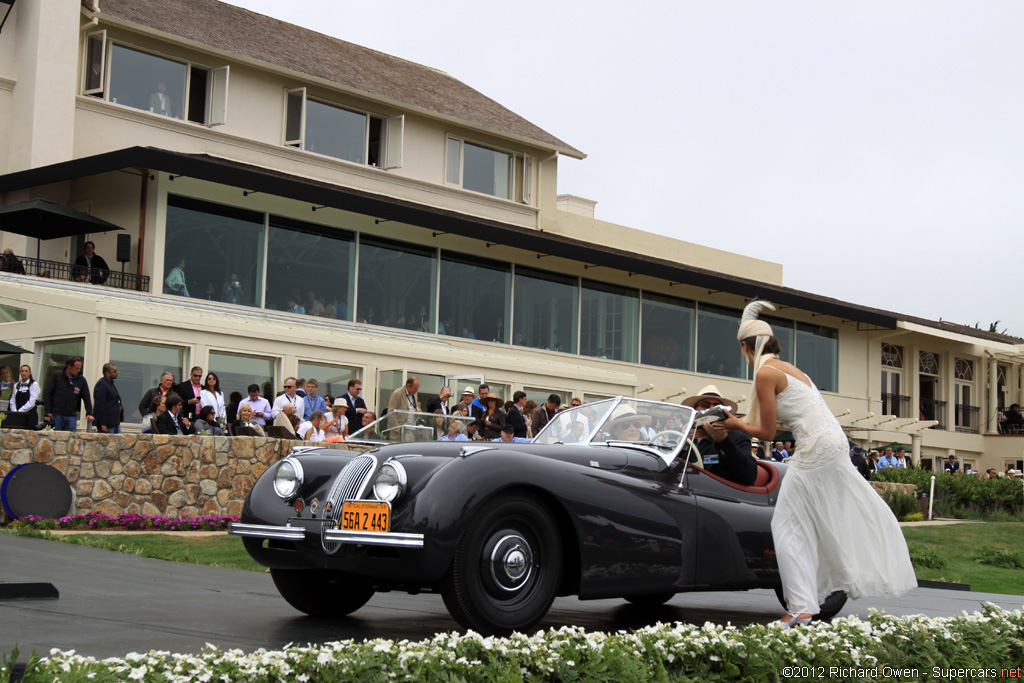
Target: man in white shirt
[312, 430]
[261, 408]
[288, 403]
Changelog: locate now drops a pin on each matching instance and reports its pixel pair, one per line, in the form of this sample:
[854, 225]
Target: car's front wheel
[828, 609]
[506, 567]
[321, 593]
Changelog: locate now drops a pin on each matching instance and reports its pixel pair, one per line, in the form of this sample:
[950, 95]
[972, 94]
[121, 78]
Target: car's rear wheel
[506, 567]
[828, 609]
[650, 600]
[321, 593]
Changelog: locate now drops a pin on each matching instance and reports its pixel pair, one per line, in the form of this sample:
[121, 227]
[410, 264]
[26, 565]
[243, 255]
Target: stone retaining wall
[883, 486]
[150, 474]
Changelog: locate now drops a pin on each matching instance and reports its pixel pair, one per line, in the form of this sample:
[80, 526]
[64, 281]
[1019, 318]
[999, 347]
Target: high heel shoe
[794, 621]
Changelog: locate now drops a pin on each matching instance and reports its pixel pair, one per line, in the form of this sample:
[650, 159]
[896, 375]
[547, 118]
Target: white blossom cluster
[755, 651]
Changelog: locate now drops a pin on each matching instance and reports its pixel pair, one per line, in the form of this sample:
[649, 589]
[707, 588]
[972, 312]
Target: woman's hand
[731, 423]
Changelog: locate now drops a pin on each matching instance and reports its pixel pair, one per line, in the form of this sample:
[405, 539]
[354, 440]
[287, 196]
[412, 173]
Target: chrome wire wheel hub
[511, 563]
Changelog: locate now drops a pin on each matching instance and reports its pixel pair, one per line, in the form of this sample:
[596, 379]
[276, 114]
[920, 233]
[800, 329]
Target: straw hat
[710, 391]
[340, 401]
[626, 413]
[468, 390]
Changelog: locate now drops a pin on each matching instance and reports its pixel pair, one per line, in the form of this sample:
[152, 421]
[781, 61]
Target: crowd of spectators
[198, 406]
[1010, 420]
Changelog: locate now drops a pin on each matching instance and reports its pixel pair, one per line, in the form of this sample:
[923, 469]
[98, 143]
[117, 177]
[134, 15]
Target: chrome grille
[351, 482]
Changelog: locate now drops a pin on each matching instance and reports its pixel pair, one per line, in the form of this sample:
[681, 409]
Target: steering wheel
[664, 436]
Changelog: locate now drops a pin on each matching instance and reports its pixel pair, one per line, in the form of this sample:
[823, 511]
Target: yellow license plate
[363, 515]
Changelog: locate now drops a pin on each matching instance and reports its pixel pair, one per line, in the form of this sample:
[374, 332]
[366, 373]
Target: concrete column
[46, 71]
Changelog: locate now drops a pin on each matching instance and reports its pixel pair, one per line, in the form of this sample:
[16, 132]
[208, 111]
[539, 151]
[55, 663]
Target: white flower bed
[880, 647]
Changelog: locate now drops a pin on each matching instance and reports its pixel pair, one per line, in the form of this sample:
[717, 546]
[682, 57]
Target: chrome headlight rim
[400, 480]
[288, 491]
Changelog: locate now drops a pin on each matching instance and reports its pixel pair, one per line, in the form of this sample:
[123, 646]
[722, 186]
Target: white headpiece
[750, 326]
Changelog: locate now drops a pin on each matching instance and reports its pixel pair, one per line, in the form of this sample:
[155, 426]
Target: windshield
[404, 426]
[656, 425]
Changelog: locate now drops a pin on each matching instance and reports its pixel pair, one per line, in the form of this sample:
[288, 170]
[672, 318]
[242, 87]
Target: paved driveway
[114, 603]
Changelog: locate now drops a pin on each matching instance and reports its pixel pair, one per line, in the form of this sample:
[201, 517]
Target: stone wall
[150, 474]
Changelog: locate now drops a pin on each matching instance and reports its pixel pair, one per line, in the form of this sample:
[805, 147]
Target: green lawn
[216, 551]
[953, 543]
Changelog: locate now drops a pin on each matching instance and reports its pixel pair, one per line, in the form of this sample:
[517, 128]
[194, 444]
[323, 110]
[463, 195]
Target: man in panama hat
[725, 453]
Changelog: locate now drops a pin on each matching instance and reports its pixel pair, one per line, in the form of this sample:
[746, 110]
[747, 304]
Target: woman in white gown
[832, 531]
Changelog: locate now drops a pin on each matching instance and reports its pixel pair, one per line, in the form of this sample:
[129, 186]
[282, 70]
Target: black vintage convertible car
[600, 505]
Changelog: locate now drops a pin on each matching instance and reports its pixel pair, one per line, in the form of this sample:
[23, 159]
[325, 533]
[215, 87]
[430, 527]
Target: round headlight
[287, 478]
[390, 482]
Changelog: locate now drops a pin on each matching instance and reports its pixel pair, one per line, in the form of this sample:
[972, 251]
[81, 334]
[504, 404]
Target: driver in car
[726, 454]
[625, 425]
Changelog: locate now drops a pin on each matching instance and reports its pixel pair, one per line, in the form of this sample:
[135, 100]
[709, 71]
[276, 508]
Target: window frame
[517, 167]
[391, 152]
[211, 117]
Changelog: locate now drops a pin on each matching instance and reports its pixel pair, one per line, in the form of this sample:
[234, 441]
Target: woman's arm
[764, 386]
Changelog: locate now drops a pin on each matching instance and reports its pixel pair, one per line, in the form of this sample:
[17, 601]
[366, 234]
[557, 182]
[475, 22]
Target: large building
[293, 204]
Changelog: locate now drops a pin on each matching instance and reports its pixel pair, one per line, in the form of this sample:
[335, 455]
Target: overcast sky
[874, 149]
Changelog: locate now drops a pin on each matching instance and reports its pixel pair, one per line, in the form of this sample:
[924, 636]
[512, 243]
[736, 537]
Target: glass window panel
[387, 382]
[817, 354]
[139, 367]
[545, 310]
[540, 396]
[236, 373]
[453, 160]
[718, 352]
[430, 387]
[486, 170]
[668, 331]
[310, 266]
[52, 357]
[10, 314]
[144, 81]
[336, 132]
[94, 60]
[220, 245]
[293, 117]
[475, 297]
[609, 321]
[785, 332]
[332, 380]
[396, 284]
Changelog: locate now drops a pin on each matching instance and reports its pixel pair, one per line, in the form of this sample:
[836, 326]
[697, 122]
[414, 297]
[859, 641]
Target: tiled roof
[232, 29]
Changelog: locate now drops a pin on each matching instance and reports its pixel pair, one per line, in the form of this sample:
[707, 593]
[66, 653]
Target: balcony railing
[932, 409]
[967, 418]
[896, 405]
[57, 270]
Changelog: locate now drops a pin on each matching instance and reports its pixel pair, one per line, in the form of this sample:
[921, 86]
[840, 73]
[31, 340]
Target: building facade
[295, 205]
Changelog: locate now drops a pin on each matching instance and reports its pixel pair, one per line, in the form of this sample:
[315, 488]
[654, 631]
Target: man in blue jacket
[63, 396]
[107, 402]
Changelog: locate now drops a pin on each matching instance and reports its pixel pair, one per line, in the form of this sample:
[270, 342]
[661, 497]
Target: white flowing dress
[832, 530]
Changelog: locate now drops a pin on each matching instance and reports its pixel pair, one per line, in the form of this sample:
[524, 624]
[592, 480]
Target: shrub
[1008, 559]
[901, 504]
[913, 517]
[858, 649]
[96, 520]
[925, 556]
[963, 497]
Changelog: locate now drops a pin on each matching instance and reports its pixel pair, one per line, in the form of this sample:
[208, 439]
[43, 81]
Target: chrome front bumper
[295, 533]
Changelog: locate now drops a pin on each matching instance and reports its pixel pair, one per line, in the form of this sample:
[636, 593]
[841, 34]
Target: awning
[256, 179]
[45, 220]
[6, 348]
